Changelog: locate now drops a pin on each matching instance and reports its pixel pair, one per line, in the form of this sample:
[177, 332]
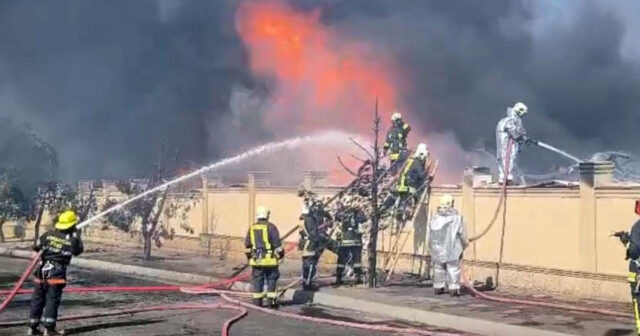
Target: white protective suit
[509, 128]
[447, 241]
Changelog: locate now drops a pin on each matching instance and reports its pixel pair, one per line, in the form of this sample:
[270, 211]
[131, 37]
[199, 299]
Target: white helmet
[520, 109]
[422, 151]
[263, 213]
[396, 116]
[305, 208]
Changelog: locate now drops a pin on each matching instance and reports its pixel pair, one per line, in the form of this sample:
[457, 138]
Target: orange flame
[321, 80]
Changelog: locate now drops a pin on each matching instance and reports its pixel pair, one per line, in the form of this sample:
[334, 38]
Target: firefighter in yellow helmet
[396, 142]
[447, 240]
[264, 252]
[57, 247]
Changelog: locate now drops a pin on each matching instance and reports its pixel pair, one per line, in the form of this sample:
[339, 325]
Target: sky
[106, 83]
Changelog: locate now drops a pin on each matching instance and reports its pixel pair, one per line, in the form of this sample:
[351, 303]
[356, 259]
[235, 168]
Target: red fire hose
[20, 282]
[482, 295]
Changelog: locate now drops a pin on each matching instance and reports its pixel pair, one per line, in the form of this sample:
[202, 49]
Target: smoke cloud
[106, 83]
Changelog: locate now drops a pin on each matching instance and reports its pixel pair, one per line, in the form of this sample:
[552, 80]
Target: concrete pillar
[251, 190]
[468, 206]
[205, 205]
[592, 176]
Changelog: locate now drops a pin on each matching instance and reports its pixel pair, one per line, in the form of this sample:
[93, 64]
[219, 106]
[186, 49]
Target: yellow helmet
[262, 213]
[446, 201]
[66, 220]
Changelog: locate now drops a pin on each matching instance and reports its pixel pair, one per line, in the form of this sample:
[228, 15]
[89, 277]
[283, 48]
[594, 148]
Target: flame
[320, 79]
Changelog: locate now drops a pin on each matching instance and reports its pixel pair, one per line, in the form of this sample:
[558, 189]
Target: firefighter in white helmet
[264, 252]
[447, 240]
[413, 180]
[396, 142]
[510, 136]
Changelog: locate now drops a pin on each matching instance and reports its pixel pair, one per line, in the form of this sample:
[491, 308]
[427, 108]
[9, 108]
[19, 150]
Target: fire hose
[199, 290]
[242, 312]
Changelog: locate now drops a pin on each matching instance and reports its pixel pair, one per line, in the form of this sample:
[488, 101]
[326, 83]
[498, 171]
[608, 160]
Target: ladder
[399, 235]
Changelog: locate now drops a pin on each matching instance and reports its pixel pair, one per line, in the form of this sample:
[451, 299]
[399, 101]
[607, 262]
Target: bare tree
[147, 211]
[55, 197]
[11, 202]
[375, 214]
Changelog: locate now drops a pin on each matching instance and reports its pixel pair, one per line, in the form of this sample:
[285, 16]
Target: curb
[140, 271]
[466, 324]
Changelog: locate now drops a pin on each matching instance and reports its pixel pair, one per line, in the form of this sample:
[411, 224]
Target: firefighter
[57, 247]
[313, 239]
[396, 142]
[350, 238]
[264, 252]
[413, 177]
[447, 240]
[510, 137]
[632, 243]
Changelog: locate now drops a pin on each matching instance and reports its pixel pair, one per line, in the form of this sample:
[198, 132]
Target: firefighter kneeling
[264, 252]
[57, 247]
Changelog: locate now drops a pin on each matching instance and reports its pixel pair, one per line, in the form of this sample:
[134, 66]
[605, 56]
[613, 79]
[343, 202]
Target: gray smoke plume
[107, 82]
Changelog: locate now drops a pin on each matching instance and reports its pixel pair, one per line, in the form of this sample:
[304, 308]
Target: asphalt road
[170, 322]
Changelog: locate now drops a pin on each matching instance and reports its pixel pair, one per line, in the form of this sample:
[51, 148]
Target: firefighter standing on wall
[632, 243]
[264, 252]
[350, 250]
[57, 247]
[396, 142]
[313, 239]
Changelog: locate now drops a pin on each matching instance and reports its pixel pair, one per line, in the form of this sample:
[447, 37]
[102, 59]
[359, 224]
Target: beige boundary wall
[555, 239]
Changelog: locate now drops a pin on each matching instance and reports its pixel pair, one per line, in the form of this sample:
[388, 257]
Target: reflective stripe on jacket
[263, 244]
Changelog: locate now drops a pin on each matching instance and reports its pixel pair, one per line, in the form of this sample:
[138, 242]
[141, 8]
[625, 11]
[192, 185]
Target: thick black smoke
[575, 63]
[107, 82]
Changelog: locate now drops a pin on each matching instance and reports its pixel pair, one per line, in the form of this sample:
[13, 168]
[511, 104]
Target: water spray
[561, 152]
[331, 136]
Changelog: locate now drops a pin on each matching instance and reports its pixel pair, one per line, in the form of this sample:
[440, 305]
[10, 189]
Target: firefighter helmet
[66, 220]
[446, 201]
[396, 116]
[520, 109]
[262, 213]
[422, 151]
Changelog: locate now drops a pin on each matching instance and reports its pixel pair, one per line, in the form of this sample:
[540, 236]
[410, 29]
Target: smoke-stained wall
[107, 82]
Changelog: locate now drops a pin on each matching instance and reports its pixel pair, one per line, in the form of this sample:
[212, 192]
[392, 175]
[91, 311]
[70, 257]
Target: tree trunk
[375, 216]
[146, 252]
[36, 226]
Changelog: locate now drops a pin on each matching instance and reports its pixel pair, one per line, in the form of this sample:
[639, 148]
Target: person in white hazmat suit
[447, 240]
[511, 130]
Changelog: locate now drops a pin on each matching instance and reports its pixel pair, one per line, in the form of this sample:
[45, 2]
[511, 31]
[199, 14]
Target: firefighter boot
[439, 291]
[273, 303]
[454, 292]
[53, 332]
[34, 331]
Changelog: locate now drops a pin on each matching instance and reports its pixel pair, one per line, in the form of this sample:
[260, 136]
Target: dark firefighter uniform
[312, 242]
[413, 176]
[396, 143]
[350, 250]
[57, 248]
[264, 251]
[633, 254]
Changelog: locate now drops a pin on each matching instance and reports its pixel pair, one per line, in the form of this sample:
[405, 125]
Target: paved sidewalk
[476, 315]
